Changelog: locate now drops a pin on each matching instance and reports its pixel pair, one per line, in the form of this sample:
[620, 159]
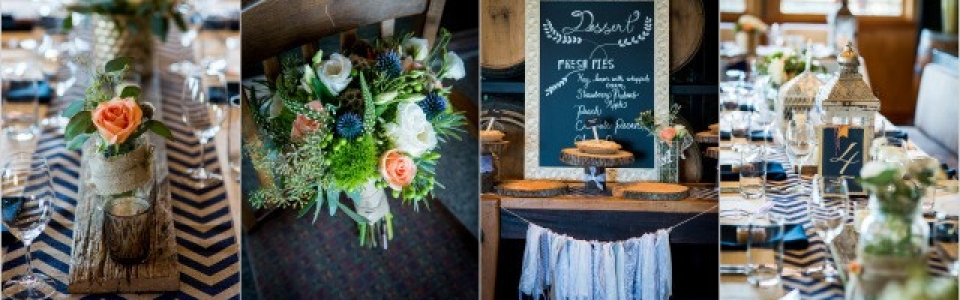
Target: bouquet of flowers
[113, 115]
[357, 122]
[782, 66]
[155, 14]
[900, 185]
[749, 23]
[111, 112]
[665, 131]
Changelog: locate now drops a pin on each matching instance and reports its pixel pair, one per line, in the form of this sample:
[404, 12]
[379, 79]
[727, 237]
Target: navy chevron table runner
[208, 250]
[793, 205]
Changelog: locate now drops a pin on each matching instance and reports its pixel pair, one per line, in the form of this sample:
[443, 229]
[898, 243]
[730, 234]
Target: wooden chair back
[271, 27]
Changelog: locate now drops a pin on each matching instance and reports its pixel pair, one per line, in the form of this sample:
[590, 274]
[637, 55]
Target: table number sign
[593, 66]
[843, 152]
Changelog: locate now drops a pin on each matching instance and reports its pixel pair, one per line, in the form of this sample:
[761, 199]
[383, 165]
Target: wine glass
[829, 209]
[801, 143]
[945, 241]
[27, 195]
[202, 109]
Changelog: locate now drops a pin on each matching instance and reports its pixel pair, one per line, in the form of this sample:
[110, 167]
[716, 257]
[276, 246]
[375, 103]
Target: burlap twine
[118, 174]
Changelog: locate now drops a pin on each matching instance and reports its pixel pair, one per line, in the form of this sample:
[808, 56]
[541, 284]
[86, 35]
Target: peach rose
[303, 125]
[398, 169]
[667, 134]
[117, 119]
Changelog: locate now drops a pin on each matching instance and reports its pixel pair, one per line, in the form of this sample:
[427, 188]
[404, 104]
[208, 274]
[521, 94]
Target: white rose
[416, 48]
[411, 133]
[776, 71]
[454, 66]
[335, 73]
[872, 169]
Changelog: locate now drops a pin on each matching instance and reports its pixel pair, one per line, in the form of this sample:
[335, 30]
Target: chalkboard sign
[843, 151]
[606, 60]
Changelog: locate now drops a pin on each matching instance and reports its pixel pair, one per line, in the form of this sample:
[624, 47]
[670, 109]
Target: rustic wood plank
[490, 246]
[315, 19]
[501, 40]
[93, 272]
[387, 28]
[431, 22]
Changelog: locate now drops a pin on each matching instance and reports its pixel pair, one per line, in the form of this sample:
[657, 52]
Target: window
[858, 7]
[733, 6]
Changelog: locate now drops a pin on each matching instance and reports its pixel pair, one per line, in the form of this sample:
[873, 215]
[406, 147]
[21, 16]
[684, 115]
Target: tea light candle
[126, 207]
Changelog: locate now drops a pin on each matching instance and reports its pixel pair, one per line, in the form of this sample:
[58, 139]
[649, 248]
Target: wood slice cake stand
[533, 188]
[654, 191]
[594, 165]
[493, 147]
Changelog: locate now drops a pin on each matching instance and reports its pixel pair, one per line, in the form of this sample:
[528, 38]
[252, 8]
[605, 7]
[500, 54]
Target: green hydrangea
[353, 162]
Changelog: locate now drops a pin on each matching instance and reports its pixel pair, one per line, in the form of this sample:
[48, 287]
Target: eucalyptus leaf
[305, 209]
[72, 109]
[160, 129]
[117, 64]
[77, 142]
[353, 215]
[333, 199]
[130, 91]
[81, 122]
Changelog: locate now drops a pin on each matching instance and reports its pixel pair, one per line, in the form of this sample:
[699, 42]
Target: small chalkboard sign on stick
[843, 152]
[604, 59]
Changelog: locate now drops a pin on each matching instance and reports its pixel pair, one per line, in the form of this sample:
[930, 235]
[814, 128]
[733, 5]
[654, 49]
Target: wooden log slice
[501, 38]
[655, 191]
[575, 157]
[686, 31]
[533, 188]
[493, 147]
[92, 271]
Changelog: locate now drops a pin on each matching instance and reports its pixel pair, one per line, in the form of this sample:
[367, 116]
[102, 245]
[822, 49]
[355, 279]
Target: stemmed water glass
[829, 209]
[27, 195]
[202, 109]
[801, 139]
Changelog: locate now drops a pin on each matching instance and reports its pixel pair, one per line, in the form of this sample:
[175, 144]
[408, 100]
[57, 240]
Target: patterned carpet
[431, 257]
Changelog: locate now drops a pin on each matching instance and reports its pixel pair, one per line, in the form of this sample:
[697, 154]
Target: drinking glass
[801, 141]
[202, 110]
[945, 242]
[127, 222]
[829, 209]
[27, 202]
[21, 105]
[765, 248]
[234, 147]
[753, 173]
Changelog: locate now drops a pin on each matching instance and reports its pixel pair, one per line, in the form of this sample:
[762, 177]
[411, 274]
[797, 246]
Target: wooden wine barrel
[686, 31]
[501, 39]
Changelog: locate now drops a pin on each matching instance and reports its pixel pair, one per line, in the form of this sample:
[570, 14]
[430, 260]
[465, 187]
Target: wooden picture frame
[538, 161]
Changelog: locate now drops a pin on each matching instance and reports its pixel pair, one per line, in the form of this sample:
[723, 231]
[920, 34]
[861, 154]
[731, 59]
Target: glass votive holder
[753, 174]
[765, 249]
[127, 222]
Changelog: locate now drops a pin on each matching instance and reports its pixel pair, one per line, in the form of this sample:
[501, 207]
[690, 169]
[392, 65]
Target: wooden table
[496, 226]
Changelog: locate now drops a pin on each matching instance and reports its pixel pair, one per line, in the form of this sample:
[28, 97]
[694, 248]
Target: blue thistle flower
[349, 125]
[433, 105]
[389, 63]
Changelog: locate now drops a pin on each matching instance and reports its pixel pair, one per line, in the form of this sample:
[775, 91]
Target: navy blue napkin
[25, 91]
[897, 134]
[755, 136]
[794, 239]
[775, 172]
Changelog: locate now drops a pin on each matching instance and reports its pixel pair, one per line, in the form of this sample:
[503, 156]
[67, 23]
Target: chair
[935, 121]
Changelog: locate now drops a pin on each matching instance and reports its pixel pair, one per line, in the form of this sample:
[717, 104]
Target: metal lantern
[846, 99]
[798, 96]
[842, 26]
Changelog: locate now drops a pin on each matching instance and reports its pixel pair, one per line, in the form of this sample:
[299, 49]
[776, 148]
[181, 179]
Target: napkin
[792, 295]
[24, 91]
[755, 136]
[794, 239]
[775, 172]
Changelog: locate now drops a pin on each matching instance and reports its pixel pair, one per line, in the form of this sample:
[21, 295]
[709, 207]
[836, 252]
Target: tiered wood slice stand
[575, 157]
